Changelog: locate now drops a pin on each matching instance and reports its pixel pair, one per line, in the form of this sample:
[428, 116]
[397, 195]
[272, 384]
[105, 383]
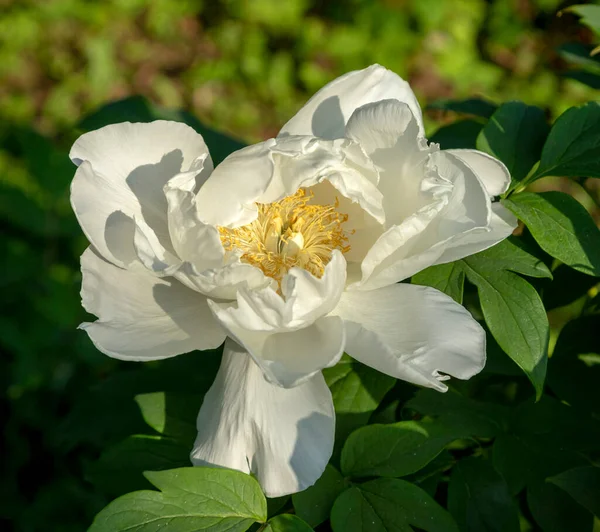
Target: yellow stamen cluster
[289, 233]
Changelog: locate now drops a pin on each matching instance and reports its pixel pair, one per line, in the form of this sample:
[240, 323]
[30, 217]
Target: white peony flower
[292, 249]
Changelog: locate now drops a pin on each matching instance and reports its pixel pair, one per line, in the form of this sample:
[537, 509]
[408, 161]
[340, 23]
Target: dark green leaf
[137, 109]
[120, 468]
[461, 134]
[471, 106]
[195, 498]
[583, 484]
[555, 511]
[514, 312]
[511, 254]
[579, 54]
[357, 391]
[570, 378]
[475, 418]
[523, 460]
[515, 134]
[448, 278]
[561, 226]
[287, 523]
[567, 286]
[479, 500]
[171, 414]
[314, 504]
[573, 144]
[587, 78]
[384, 505]
[396, 450]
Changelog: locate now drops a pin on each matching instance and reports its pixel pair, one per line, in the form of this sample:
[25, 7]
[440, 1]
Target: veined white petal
[122, 171]
[490, 171]
[282, 436]
[413, 333]
[327, 112]
[142, 317]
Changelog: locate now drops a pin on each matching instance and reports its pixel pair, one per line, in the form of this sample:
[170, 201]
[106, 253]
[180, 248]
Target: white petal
[193, 240]
[142, 317]
[282, 436]
[502, 224]
[413, 333]
[389, 133]
[490, 171]
[121, 174]
[269, 171]
[228, 197]
[327, 112]
[457, 204]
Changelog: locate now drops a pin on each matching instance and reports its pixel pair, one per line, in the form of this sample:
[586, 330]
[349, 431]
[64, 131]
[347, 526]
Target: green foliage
[515, 134]
[388, 504]
[215, 500]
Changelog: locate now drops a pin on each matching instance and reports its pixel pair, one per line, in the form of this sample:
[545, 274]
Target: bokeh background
[242, 67]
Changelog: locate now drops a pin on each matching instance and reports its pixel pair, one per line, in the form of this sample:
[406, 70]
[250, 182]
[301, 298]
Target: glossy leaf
[357, 390]
[561, 226]
[573, 144]
[448, 278]
[516, 317]
[314, 504]
[515, 134]
[287, 523]
[388, 504]
[479, 499]
[395, 450]
[195, 498]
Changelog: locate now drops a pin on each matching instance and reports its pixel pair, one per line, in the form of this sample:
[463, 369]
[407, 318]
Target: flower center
[289, 233]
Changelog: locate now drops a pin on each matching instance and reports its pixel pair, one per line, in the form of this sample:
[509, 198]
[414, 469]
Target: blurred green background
[241, 66]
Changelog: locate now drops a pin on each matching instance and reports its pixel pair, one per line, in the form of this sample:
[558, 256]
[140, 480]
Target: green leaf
[137, 109]
[485, 420]
[555, 511]
[395, 450]
[561, 226]
[448, 278]
[194, 498]
[470, 106]
[590, 15]
[388, 504]
[314, 504]
[511, 254]
[569, 377]
[458, 135]
[287, 523]
[583, 484]
[579, 54]
[523, 461]
[515, 134]
[357, 390]
[120, 468]
[171, 414]
[479, 500]
[573, 144]
[567, 286]
[514, 312]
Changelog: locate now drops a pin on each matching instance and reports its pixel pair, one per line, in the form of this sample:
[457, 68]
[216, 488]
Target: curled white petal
[325, 115]
[413, 333]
